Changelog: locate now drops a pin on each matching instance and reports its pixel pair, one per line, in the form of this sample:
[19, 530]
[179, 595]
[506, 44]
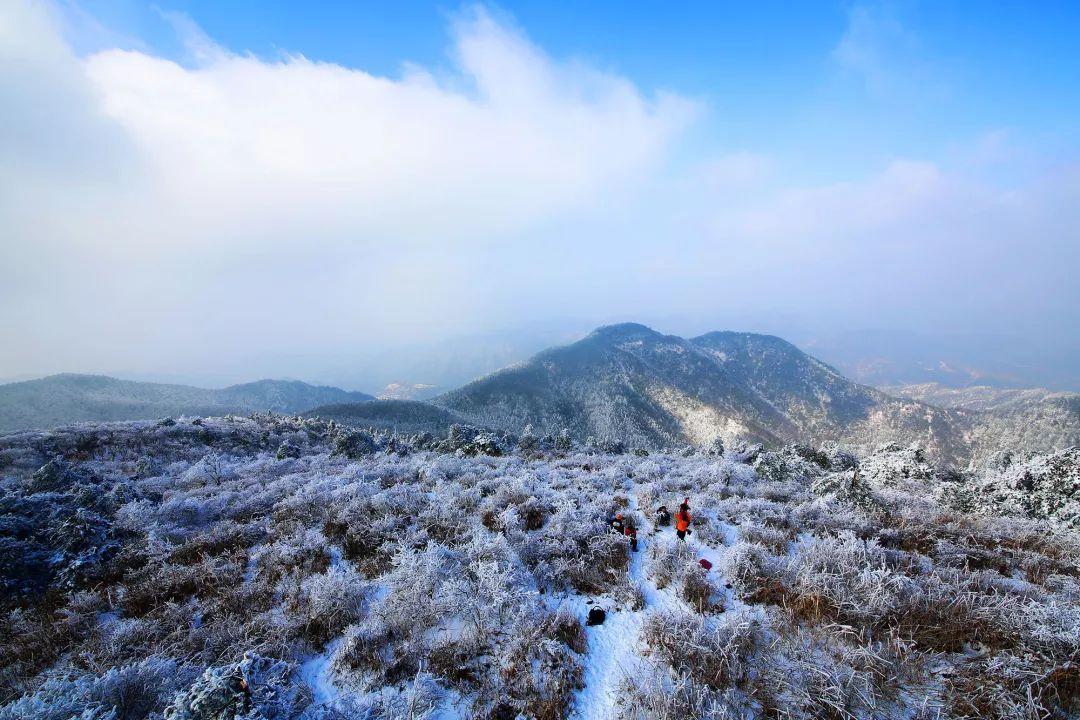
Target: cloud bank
[237, 216]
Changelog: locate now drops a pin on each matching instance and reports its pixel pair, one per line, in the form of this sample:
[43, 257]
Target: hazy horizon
[450, 363]
[354, 196]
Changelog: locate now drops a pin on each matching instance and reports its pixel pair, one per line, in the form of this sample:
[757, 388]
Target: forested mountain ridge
[69, 398]
[631, 383]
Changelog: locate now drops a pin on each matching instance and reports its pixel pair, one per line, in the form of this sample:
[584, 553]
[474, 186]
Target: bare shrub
[699, 591]
[713, 652]
[771, 538]
[540, 675]
[668, 560]
[327, 604]
[566, 628]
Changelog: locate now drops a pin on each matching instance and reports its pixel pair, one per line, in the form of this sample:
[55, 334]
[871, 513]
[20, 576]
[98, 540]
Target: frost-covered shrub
[354, 444]
[458, 437]
[791, 463]
[415, 575]
[710, 651]
[367, 650]
[772, 538]
[53, 476]
[303, 552]
[602, 563]
[328, 603]
[715, 448]
[528, 442]
[611, 446]
[892, 463]
[838, 458]
[1003, 686]
[1046, 487]
[122, 693]
[745, 452]
[667, 560]
[256, 686]
[847, 488]
[699, 591]
[539, 672]
[420, 698]
[486, 444]
[287, 450]
[749, 567]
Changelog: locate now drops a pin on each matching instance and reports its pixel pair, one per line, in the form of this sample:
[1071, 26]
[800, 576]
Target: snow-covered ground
[171, 566]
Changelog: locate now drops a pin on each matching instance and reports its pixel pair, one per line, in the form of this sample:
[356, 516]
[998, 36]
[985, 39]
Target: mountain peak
[655, 390]
[735, 336]
[624, 331]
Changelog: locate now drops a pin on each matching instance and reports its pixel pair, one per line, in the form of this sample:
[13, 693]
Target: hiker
[663, 517]
[617, 525]
[631, 532]
[682, 519]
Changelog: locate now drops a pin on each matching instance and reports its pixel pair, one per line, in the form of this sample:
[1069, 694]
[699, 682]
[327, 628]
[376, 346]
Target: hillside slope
[1006, 420]
[259, 567]
[68, 398]
[402, 416]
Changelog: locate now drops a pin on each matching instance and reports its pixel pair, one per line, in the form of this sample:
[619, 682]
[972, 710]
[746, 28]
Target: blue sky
[173, 170]
[927, 78]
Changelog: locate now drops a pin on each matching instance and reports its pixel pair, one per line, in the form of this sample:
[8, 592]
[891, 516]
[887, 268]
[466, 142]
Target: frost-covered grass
[211, 568]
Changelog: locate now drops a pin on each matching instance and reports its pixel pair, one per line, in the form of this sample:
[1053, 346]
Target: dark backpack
[596, 617]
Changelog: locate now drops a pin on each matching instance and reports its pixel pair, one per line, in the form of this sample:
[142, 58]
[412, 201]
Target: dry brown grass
[699, 591]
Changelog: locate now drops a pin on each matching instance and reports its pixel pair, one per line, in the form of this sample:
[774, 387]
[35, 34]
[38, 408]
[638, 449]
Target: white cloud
[371, 198]
[246, 145]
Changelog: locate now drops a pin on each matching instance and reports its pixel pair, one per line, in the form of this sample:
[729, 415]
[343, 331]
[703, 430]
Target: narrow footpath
[613, 647]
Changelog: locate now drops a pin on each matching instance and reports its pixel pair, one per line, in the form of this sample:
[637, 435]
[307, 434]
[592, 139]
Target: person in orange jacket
[682, 519]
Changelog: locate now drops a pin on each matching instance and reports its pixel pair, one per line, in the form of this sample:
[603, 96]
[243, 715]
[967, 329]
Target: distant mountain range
[635, 384]
[63, 399]
[959, 360]
[632, 383]
[622, 382]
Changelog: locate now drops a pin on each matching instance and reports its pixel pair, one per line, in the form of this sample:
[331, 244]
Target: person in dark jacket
[663, 517]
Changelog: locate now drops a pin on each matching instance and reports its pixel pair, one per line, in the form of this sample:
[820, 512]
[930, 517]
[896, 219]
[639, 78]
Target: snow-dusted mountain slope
[409, 416]
[1006, 420]
[982, 398]
[631, 383]
[288, 568]
[63, 399]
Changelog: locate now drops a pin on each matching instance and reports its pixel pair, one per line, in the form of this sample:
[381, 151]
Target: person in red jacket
[631, 532]
[682, 519]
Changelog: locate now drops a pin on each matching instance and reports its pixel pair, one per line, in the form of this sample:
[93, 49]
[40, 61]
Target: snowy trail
[318, 674]
[613, 647]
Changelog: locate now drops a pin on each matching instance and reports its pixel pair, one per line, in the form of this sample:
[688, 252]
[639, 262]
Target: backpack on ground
[596, 616]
